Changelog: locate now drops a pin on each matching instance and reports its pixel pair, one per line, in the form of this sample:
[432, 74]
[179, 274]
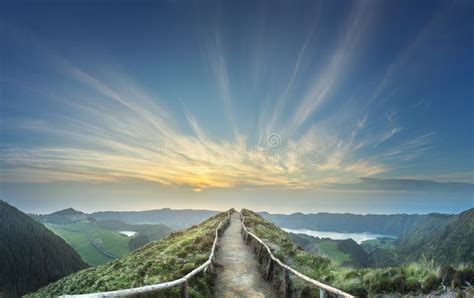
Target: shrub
[463, 277]
[431, 283]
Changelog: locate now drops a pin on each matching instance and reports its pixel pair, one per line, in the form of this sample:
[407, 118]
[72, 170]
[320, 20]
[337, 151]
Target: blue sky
[341, 106]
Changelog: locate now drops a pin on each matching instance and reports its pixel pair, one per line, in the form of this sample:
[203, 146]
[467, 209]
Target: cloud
[326, 81]
[104, 127]
[388, 135]
[405, 185]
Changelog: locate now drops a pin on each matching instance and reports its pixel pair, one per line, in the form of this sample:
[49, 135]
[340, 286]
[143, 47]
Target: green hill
[156, 262]
[414, 278]
[344, 252]
[65, 216]
[446, 240]
[31, 256]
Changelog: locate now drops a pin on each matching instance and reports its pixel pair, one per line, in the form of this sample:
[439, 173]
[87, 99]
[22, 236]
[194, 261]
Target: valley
[127, 255]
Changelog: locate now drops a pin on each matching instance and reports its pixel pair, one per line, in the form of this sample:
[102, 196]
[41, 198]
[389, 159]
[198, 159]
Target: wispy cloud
[326, 81]
[106, 127]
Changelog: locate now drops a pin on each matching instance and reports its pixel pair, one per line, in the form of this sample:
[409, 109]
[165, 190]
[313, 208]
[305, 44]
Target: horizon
[238, 209]
[361, 107]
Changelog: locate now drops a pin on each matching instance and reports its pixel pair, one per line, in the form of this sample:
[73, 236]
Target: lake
[128, 233]
[357, 237]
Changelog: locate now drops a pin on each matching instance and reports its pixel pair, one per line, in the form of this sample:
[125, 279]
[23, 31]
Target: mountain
[445, 239]
[156, 262]
[31, 255]
[394, 224]
[175, 219]
[65, 216]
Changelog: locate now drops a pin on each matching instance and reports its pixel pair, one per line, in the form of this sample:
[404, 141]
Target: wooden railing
[323, 288]
[183, 281]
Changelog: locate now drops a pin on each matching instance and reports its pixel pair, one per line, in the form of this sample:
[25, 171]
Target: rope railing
[183, 281]
[323, 288]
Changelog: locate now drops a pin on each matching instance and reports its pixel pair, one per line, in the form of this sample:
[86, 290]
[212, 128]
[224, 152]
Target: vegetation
[156, 262]
[151, 231]
[31, 255]
[415, 278]
[61, 217]
[90, 237]
[175, 219]
[81, 244]
[343, 252]
[379, 243]
[445, 240]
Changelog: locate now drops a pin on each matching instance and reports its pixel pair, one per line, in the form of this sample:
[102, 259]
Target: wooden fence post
[268, 276]
[259, 253]
[322, 293]
[286, 283]
[184, 289]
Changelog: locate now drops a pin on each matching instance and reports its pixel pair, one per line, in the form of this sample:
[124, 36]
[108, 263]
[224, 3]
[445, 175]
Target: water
[128, 233]
[357, 237]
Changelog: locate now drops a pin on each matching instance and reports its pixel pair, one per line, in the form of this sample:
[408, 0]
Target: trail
[238, 275]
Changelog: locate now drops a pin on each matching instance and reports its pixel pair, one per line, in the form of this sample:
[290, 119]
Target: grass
[75, 235]
[381, 243]
[416, 278]
[156, 262]
[330, 249]
[81, 245]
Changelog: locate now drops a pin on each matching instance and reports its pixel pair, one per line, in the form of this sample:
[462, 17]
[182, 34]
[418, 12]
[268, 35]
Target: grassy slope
[381, 243]
[81, 244]
[325, 247]
[446, 241]
[330, 249]
[74, 234]
[412, 278]
[157, 262]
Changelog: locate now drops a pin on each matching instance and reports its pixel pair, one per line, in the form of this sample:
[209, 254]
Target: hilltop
[65, 216]
[156, 262]
[31, 255]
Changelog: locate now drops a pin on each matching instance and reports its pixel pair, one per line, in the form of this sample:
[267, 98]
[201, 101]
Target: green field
[75, 235]
[381, 243]
[330, 249]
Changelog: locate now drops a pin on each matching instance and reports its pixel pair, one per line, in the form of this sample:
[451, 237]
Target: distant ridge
[176, 219]
[173, 218]
[393, 224]
[65, 216]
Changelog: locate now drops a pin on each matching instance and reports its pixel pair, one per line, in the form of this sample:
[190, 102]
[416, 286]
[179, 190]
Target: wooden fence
[182, 282]
[272, 260]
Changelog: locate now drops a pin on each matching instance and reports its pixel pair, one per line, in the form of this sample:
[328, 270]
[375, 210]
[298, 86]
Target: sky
[282, 106]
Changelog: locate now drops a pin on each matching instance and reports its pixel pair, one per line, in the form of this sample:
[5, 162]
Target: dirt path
[239, 275]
